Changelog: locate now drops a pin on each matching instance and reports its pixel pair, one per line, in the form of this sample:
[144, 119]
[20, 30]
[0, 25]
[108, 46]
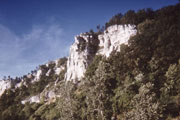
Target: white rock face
[17, 85]
[57, 68]
[113, 37]
[37, 76]
[48, 72]
[39, 72]
[81, 53]
[33, 99]
[4, 85]
[48, 95]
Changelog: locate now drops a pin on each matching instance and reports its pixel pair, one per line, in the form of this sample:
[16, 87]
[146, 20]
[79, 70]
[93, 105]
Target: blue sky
[33, 32]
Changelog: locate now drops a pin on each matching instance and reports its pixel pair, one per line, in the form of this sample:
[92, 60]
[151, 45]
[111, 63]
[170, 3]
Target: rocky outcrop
[5, 84]
[87, 45]
[8, 83]
[81, 54]
[33, 99]
[113, 37]
[33, 77]
[37, 76]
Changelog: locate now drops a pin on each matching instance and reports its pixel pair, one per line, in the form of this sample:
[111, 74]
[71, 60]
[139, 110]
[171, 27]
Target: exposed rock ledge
[82, 51]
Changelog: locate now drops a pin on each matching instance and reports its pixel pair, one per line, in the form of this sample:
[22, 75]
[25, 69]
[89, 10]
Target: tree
[145, 105]
[100, 88]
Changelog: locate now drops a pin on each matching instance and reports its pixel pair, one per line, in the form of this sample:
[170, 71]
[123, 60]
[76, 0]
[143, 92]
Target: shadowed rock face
[83, 50]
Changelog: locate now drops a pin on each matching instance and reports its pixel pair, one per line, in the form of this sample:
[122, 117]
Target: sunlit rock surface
[5, 84]
[113, 37]
[33, 99]
[82, 54]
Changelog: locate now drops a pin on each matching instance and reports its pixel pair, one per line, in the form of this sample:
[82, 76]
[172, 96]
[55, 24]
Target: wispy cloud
[20, 54]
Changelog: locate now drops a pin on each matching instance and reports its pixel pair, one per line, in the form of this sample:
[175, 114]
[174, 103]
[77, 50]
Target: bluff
[87, 45]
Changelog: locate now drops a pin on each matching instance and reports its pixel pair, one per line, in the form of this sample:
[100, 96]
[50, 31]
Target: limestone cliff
[82, 52]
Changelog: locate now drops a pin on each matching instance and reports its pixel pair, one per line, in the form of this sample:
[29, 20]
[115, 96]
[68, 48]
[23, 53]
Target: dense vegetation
[11, 107]
[141, 82]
